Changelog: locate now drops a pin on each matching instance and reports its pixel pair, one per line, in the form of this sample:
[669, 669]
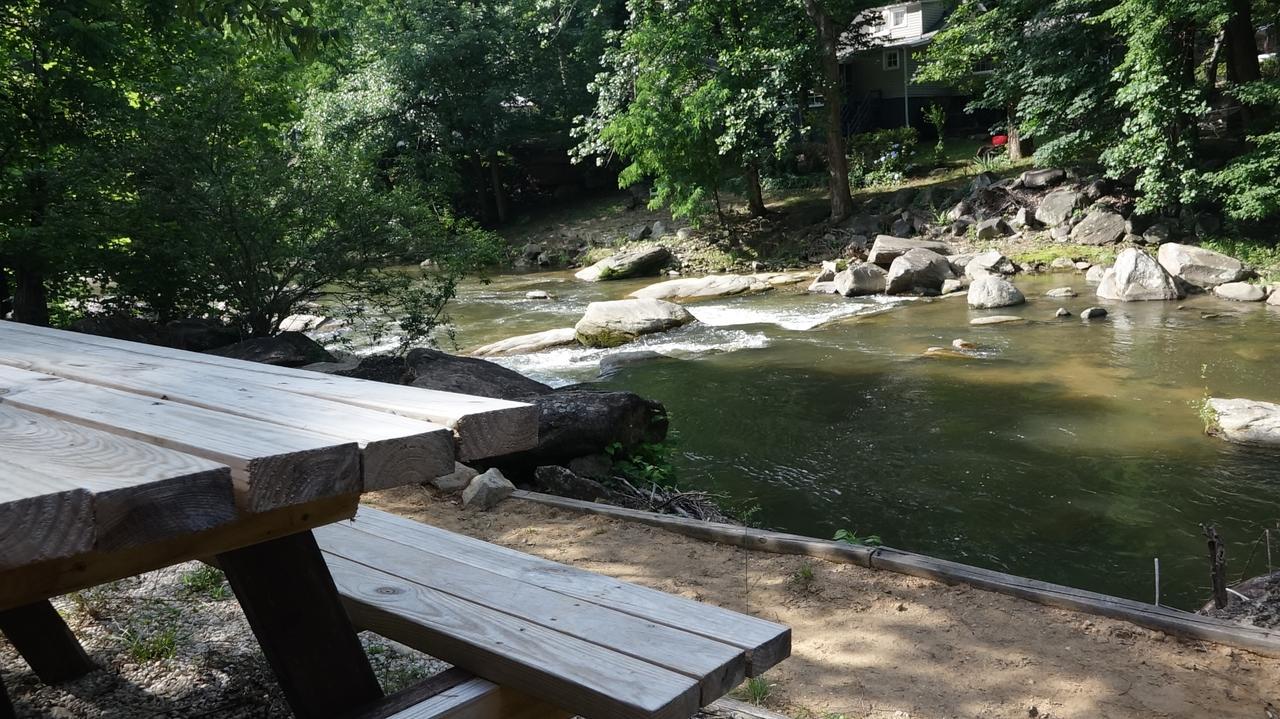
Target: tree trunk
[1015, 138]
[1242, 46]
[837, 163]
[483, 200]
[30, 301]
[6, 303]
[755, 196]
[499, 191]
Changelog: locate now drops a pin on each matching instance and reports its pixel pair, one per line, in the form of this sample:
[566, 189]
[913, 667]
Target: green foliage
[848, 537]
[1249, 186]
[803, 578]
[1263, 258]
[936, 115]
[153, 640]
[648, 463]
[757, 690]
[881, 157]
[206, 581]
[1046, 255]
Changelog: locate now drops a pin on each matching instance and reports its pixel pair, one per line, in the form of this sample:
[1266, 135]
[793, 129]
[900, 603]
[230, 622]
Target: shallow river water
[1067, 451]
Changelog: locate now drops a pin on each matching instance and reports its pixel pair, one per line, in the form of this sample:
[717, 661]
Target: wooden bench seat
[580, 641]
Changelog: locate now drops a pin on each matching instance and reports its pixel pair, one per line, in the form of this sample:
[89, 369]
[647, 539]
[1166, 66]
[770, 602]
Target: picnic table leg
[45, 641]
[292, 604]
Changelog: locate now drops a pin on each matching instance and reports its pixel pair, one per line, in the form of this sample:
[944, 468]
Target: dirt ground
[876, 644]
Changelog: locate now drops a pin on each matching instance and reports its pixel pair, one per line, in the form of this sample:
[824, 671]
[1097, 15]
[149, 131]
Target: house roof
[848, 48]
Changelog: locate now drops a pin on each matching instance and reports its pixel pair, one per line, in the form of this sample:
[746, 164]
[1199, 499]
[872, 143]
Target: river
[1065, 450]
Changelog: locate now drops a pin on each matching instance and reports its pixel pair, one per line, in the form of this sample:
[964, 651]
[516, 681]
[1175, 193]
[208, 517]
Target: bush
[881, 157]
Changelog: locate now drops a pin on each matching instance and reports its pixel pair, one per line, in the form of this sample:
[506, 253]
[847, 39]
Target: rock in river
[609, 324]
[989, 263]
[991, 291]
[1093, 313]
[702, 288]
[863, 278]
[628, 263]
[1137, 276]
[524, 344]
[1241, 292]
[1244, 421]
[996, 320]
[888, 248]
[1060, 292]
[1199, 267]
[917, 270]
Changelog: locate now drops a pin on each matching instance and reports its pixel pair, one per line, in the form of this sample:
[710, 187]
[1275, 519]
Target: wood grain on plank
[480, 699]
[717, 667]
[271, 465]
[578, 676]
[485, 427]
[765, 643]
[397, 450]
[136, 492]
[52, 578]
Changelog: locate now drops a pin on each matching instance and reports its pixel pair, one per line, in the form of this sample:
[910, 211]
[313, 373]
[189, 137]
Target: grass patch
[756, 690]
[1264, 259]
[206, 581]
[803, 578]
[151, 644]
[1046, 255]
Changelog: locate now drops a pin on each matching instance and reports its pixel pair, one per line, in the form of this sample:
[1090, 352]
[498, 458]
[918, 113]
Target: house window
[815, 99]
[892, 60]
[897, 18]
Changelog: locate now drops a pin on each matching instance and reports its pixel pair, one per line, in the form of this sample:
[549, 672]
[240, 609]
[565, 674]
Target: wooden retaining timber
[1171, 621]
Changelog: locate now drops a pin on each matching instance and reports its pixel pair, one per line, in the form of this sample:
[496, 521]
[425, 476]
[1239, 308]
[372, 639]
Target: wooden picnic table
[118, 458]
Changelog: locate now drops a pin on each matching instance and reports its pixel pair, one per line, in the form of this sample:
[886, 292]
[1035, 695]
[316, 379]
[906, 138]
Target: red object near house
[999, 140]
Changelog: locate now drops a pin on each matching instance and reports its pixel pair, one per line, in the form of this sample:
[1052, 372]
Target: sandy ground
[877, 644]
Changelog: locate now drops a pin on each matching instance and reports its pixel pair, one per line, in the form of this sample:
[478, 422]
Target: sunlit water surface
[1066, 451]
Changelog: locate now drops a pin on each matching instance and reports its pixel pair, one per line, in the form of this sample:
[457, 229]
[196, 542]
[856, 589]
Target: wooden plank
[271, 466]
[59, 576]
[45, 641]
[413, 695]
[293, 607]
[397, 450]
[485, 427]
[51, 471]
[578, 676]
[765, 643]
[717, 667]
[481, 699]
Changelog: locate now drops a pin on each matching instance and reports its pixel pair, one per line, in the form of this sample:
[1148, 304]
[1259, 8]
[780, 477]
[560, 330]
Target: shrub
[881, 157]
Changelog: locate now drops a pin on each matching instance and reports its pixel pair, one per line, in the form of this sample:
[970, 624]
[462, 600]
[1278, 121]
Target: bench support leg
[292, 605]
[6, 707]
[45, 641]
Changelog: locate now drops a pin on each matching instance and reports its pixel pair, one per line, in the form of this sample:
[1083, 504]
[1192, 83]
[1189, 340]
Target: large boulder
[993, 228]
[1198, 266]
[1241, 292]
[628, 263]
[917, 270]
[433, 369]
[1137, 276]
[198, 334]
[863, 278]
[1100, 227]
[888, 248]
[989, 263]
[126, 327]
[1244, 421]
[576, 422]
[702, 288]
[524, 344]
[992, 291]
[287, 349]
[1040, 179]
[1058, 206]
[609, 324]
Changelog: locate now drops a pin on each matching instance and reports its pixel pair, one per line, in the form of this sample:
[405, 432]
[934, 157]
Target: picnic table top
[117, 458]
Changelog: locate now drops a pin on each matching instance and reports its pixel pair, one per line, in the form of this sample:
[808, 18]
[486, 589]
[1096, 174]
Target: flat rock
[1245, 421]
[863, 278]
[287, 349]
[991, 291]
[691, 289]
[1040, 179]
[1061, 292]
[996, 320]
[455, 481]
[1058, 206]
[562, 482]
[1100, 227]
[989, 263]
[1198, 266]
[819, 287]
[486, 490]
[1241, 292]
[537, 295]
[609, 324]
[888, 248]
[1137, 276]
[628, 263]
[525, 344]
[993, 228]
